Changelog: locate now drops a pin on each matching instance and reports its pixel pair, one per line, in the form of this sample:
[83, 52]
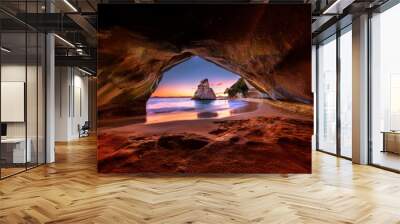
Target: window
[334, 106]
[385, 89]
[327, 95]
[346, 92]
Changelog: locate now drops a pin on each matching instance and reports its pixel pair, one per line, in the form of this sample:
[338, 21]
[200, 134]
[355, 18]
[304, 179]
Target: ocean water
[171, 109]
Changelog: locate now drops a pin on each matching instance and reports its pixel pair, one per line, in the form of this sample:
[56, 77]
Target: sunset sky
[182, 80]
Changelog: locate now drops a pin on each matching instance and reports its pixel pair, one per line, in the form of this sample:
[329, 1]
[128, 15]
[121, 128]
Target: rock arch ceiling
[274, 55]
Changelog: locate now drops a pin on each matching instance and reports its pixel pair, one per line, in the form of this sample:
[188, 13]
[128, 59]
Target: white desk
[19, 155]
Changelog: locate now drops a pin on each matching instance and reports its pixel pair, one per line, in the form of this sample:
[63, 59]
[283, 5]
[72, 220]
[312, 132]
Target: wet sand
[192, 114]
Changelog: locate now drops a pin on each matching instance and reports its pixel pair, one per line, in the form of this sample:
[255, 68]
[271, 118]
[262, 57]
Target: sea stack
[204, 92]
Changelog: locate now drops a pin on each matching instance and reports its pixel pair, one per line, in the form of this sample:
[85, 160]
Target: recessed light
[337, 7]
[5, 50]
[64, 40]
[84, 71]
[70, 5]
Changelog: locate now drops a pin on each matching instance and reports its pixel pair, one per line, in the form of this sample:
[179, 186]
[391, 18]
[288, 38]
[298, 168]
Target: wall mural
[204, 89]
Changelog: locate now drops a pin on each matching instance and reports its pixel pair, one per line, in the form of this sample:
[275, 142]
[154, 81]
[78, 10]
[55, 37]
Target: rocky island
[204, 91]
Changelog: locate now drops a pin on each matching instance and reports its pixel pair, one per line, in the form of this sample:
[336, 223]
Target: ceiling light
[338, 6]
[326, 11]
[64, 40]
[84, 71]
[79, 51]
[5, 50]
[70, 5]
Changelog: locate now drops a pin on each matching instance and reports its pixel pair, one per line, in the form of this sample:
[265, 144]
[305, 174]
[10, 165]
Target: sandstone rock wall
[261, 43]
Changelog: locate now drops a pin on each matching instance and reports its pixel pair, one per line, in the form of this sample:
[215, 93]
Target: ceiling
[75, 21]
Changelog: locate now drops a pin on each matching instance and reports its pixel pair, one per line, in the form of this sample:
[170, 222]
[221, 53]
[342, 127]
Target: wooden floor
[71, 191]
[387, 159]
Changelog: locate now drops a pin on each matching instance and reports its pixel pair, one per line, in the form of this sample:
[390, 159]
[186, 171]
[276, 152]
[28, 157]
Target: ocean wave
[173, 105]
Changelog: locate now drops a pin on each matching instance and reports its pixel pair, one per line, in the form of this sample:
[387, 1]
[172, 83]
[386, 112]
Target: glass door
[385, 89]
[326, 96]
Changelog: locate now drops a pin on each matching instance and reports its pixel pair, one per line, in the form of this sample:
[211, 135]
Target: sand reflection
[176, 109]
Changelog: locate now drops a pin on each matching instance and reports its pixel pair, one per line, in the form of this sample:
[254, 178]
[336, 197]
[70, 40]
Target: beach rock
[234, 139]
[293, 140]
[204, 92]
[232, 151]
[149, 144]
[254, 143]
[218, 131]
[255, 132]
[182, 141]
[207, 114]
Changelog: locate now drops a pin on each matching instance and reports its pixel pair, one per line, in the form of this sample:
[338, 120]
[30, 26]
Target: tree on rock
[239, 87]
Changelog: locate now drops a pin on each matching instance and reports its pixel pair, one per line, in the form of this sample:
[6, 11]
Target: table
[15, 148]
[391, 141]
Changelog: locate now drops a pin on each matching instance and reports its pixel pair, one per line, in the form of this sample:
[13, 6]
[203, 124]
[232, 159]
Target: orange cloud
[181, 90]
[173, 91]
[216, 83]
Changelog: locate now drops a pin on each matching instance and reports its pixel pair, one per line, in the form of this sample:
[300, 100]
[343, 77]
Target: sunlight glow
[182, 80]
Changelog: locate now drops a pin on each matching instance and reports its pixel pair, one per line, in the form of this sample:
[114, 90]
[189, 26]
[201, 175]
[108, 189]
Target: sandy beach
[275, 134]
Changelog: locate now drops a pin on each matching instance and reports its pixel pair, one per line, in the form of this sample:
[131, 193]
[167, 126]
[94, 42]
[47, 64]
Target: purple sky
[182, 80]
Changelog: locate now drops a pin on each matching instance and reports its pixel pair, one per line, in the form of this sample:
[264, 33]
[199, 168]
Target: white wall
[62, 81]
[33, 127]
[16, 73]
[71, 103]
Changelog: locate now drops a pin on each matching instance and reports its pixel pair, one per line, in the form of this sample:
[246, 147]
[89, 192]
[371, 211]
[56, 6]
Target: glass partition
[385, 89]
[22, 78]
[326, 101]
[14, 153]
[346, 92]
[31, 97]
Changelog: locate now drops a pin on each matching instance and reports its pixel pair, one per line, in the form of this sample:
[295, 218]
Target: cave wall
[261, 43]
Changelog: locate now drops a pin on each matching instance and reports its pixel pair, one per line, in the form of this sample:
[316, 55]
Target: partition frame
[337, 34]
[44, 94]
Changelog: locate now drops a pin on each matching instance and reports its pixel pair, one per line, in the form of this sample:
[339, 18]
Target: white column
[50, 92]
[50, 99]
[360, 90]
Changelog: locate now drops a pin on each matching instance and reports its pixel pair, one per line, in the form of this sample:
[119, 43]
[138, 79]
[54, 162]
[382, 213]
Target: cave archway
[182, 79]
[172, 99]
[256, 45]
